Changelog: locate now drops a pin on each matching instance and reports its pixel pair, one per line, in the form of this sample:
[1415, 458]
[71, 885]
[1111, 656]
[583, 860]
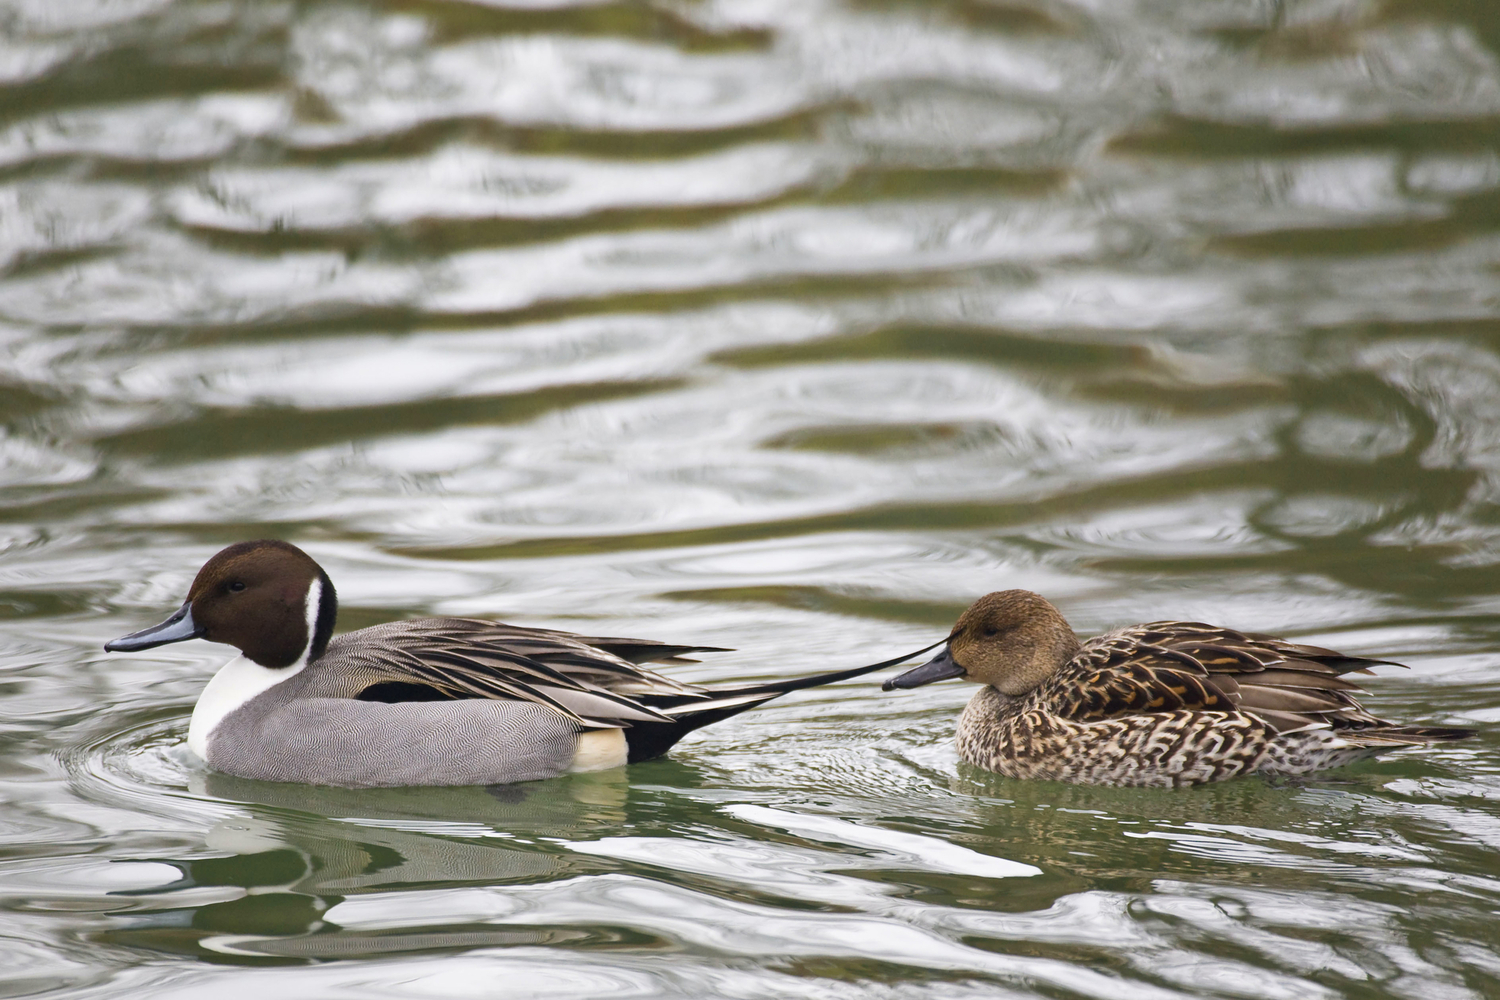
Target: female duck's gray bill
[939, 668]
[178, 628]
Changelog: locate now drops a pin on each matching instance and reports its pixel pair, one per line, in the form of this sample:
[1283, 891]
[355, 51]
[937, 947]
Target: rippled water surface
[791, 327]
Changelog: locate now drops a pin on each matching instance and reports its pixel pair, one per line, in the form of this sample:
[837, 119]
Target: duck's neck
[242, 679]
[987, 705]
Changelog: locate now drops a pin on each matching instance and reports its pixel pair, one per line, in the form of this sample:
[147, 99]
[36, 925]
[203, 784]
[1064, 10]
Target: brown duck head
[267, 598]
[1011, 640]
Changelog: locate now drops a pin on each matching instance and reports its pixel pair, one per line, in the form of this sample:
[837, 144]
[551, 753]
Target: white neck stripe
[312, 606]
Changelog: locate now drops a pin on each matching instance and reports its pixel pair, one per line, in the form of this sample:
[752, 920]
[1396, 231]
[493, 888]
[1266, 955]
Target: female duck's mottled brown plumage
[1163, 704]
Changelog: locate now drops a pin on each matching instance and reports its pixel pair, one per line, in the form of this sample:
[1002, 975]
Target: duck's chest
[237, 682]
[1011, 736]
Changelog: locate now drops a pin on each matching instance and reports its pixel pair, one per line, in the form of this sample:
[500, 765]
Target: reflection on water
[276, 872]
[790, 327]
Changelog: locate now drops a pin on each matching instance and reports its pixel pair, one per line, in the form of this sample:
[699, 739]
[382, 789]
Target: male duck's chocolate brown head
[1011, 640]
[267, 598]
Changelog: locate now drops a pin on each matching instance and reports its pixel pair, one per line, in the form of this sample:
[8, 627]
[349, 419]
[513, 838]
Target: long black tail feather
[832, 677]
[647, 740]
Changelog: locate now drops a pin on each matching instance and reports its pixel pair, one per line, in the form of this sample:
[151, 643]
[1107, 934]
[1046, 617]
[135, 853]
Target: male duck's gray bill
[179, 628]
[939, 668]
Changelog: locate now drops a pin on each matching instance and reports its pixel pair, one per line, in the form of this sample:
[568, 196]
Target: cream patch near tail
[600, 750]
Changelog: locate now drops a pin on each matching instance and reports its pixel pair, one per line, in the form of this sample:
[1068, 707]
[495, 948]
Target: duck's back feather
[1172, 666]
[586, 679]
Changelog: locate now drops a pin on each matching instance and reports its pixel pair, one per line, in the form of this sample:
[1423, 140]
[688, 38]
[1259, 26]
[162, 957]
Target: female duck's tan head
[267, 598]
[1011, 640]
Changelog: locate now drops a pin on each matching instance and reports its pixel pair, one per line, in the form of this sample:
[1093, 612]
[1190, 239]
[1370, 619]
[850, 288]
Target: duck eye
[237, 586]
[991, 631]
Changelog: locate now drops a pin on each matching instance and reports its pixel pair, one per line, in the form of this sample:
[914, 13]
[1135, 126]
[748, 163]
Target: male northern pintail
[1163, 704]
[430, 701]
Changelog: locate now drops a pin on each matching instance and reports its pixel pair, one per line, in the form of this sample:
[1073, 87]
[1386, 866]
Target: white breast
[237, 682]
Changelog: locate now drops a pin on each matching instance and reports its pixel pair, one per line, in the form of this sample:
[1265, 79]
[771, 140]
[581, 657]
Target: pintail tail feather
[646, 740]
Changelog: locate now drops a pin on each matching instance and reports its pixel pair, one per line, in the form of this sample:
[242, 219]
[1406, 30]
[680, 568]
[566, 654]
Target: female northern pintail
[1163, 704]
[430, 701]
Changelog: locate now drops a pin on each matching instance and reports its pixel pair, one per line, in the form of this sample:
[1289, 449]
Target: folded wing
[1173, 666]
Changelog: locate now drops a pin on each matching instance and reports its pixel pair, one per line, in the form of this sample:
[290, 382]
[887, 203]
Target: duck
[424, 701]
[1165, 704]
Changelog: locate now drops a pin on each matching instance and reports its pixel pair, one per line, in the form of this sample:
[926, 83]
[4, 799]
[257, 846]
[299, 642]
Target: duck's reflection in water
[297, 851]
